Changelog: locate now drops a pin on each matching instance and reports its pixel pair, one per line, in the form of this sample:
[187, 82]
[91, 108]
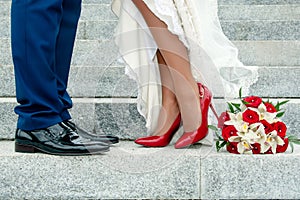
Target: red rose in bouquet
[253, 101]
[253, 127]
[250, 116]
[268, 127]
[270, 107]
[283, 148]
[232, 148]
[222, 119]
[256, 148]
[281, 128]
[228, 132]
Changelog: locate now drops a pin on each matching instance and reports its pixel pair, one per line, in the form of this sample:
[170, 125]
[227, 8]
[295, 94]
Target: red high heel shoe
[189, 138]
[161, 141]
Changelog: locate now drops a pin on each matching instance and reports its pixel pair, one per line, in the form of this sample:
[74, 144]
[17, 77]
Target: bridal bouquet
[253, 126]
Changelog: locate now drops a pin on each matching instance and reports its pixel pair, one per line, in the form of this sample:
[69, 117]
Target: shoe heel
[24, 148]
[214, 111]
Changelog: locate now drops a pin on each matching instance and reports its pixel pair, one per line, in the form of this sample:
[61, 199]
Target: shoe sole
[25, 148]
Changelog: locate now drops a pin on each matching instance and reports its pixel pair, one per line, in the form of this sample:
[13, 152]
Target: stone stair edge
[235, 31]
[149, 173]
[7, 150]
[108, 82]
[225, 11]
[252, 53]
[220, 2]
[132, 100]
[120, 116]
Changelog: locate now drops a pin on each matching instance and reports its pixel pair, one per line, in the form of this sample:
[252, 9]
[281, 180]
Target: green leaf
[223, 144]
[240, 93]
[292, 146]
[294, 139]
[297, 142]
[280, 114]
[213, 128]
[220, 138]
[220, 146]
[237, 106]
[245, 102]
[280, 104]
[277, 106]
[230, 107]
[283, 102]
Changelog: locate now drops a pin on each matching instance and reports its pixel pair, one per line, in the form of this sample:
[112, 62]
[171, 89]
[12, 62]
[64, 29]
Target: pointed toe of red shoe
[185, 141]
[163, 140]
[153, 141]
[147, 141]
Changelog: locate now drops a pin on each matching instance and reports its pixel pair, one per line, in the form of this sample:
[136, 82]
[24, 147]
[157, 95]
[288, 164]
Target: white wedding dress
[214, 59]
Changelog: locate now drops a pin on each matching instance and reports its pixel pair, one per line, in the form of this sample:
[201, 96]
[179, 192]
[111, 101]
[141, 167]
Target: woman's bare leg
[170, 109]
[176, 57]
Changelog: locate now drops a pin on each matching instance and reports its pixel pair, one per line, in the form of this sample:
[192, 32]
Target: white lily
[272, 140]
[244, 141]
[264, 115]
[236, 120]
[254, 127]
[261, 134]
[243, 107]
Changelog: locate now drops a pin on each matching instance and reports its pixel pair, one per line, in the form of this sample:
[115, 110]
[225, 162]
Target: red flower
[283, 148]
[250, 116]
[281, 128]
[229, 131]
[256, 148]
[253, 101]
[268, 127]
[222, 119]
[270, 107]
[269, 151]
[232, 148]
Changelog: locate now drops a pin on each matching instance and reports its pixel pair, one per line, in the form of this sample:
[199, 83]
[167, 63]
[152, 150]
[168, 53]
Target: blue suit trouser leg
[43, 34]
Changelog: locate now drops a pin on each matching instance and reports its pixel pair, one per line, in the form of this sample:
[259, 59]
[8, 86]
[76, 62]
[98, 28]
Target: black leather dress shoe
[57, 140]
[110, 139]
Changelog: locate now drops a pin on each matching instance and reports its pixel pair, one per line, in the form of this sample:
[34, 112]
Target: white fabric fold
[214, 59]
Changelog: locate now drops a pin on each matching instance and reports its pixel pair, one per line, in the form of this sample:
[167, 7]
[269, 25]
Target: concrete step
[260, 12]
[104, 53]
[257, 2]
[119, 116]
[132, 172]
[267, 22]
[96, 81]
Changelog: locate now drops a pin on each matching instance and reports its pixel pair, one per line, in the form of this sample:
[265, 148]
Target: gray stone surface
[97, 12]
[95, 52]
[269, 53]
[262, 30]
[120, 117]
[252, 53]
[258, 2]
[112, 82]
[7, 119]
[132, 172]
[126, 172]
[267, 22]
[235, 30]
[277, 82]
[259, 12]
[105, 53]
[7, 81]
[225, 176]
[5, 52]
